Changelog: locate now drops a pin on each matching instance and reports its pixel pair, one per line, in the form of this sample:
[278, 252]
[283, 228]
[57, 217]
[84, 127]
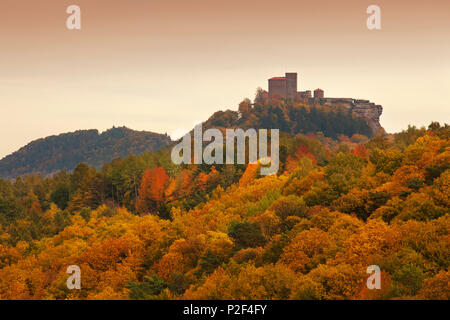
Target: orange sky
[163, 65]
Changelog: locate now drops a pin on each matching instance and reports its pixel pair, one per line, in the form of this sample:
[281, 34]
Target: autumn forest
[140, 227]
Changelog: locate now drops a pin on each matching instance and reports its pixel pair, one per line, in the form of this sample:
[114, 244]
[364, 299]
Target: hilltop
[63, 152]
[295, 117]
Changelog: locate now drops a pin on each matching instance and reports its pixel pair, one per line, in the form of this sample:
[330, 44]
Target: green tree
[246, 234]
[61, 196]
[149, 289]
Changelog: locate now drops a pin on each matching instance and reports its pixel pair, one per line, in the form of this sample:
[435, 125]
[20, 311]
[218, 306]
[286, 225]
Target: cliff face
[363, 109]
[370, 112]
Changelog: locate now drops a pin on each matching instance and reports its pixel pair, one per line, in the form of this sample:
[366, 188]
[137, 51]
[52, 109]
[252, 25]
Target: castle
[286, 88]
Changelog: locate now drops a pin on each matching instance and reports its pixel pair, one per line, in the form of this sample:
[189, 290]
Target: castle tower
[277, 87]
[291, 85]
[318, 94]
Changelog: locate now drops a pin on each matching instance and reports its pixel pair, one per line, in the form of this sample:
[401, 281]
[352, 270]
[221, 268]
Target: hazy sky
[161, 65]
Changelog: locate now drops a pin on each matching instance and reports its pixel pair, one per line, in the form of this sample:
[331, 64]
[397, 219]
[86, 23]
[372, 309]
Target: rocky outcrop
[370, 112]
[363, 109]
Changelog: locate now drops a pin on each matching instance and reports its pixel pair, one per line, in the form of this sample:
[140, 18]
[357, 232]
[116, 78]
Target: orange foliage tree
[151, 191]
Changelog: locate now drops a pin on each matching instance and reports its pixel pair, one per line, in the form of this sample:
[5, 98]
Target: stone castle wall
[277, 88]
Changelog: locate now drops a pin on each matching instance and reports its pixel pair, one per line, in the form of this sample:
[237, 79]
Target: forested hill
[66, 151]
[292, 117]
[143, 228]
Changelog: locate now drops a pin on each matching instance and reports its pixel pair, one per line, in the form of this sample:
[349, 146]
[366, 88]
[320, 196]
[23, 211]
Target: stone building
[319, 94]
[286, 88]
[277, 87]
